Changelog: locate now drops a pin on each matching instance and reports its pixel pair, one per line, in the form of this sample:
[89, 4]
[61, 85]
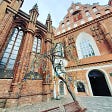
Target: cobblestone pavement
[93, 104]
[96, 104]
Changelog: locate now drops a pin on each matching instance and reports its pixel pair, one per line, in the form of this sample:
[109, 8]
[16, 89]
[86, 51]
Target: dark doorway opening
[98, 83]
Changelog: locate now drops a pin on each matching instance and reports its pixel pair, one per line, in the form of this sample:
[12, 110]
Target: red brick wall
[5, 87]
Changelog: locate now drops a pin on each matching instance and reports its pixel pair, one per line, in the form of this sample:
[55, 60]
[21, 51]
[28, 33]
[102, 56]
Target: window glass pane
[77, 7]
[90, 18]
[12, 39]
[19, 28]
[2, 65]
[13, 56]
[14, 52]
[58, 33]
[86, 48]
[9, 46]
[37, 45]
[94, 9]
[17, 44]
[75, 25]
[107, 11]
[11, 42]
[14, 36]
[15, 31]
[6, 54]
[62, 25]
[34, 49]
[18, 40]
[63, 30]
[8, 50]
[38, 51]
[98, 15]
[9, 66]
[19, 37]
[4, 60]
[35, 42]
[71, 11]
[88, 14]
[12, 48]
[11, 61]
[69, 28]
[34, 46]
[82, 22]
[16, 48]
[21, 33]
[68, 22]
[39, 42]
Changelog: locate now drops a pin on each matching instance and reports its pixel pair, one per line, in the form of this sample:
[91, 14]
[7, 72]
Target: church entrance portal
[98, 83]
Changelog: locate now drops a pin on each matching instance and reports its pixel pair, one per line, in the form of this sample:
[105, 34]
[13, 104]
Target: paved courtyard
[93, 104]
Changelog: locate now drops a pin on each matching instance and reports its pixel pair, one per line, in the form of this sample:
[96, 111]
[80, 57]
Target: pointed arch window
[63, 25]
[98, 15]
[107, 11]
[10, 54]
[37, 44]
[86, 46]
[68, 22]
[86, 49]
[87, 13]
[71, 11]
[95, 9]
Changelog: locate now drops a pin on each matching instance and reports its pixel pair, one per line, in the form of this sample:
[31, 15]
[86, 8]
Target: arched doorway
[61, 88]
[98, 83]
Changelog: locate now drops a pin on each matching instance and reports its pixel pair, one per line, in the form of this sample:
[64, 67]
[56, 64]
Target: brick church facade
[86, 27]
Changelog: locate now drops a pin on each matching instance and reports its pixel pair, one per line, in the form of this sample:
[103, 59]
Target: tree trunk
[67, 85]
[68, 88]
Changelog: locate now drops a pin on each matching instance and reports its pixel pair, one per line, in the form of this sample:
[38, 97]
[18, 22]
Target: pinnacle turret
[34, 13]
[35, 7]
[49, 23]
[49, 17]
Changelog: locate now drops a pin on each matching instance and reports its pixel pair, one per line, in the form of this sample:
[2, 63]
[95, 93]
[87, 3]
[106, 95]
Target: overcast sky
[57, 8]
